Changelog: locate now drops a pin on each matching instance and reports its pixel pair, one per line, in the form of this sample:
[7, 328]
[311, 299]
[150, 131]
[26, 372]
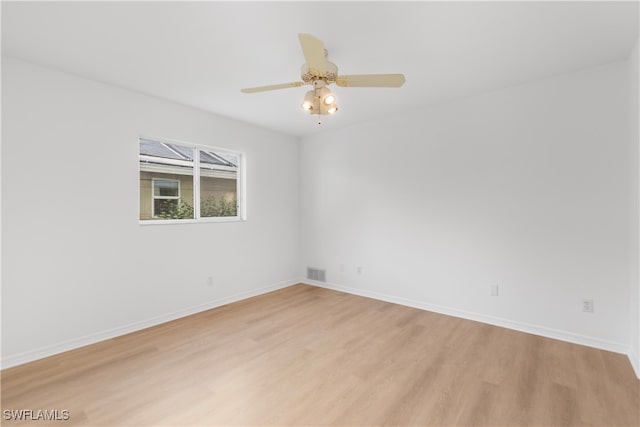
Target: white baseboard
[478, 317]
[50, 350]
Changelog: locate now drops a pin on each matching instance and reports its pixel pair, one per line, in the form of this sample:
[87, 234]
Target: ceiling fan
[319, 72]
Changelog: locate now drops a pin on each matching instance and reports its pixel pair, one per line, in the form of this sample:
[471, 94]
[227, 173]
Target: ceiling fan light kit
[319, 72]
[320, 100]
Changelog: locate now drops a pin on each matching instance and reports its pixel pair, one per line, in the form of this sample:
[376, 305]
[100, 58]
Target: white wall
[525, 187]
[77, 265]
[634, 211]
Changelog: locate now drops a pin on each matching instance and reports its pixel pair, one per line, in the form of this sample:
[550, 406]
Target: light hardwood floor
[310, 356]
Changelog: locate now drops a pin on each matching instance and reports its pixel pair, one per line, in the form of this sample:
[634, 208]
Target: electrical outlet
[494, 290]
[359, 270]
[587, 305]
[210, 281]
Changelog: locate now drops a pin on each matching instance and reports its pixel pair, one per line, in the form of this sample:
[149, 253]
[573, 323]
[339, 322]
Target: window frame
[240, 184]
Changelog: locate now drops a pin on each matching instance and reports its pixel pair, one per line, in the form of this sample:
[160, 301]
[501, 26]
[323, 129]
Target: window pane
[163, 187]
[166, 182]
[218, 184]
[164, 207]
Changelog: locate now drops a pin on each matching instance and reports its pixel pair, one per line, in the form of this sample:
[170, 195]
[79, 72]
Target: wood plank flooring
[310, 356]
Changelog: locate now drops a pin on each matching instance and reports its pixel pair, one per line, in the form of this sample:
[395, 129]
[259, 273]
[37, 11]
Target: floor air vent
[316, 274]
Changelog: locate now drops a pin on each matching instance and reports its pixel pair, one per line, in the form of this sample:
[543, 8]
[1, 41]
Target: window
[188, 183]
[166, 194]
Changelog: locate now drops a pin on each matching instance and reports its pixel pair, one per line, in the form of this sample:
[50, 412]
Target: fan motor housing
[329, 77]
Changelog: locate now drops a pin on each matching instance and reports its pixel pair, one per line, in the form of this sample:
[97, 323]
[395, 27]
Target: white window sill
[189, 221]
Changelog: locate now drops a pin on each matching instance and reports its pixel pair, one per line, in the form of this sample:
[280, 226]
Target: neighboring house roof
[164, 157]
[163, 150]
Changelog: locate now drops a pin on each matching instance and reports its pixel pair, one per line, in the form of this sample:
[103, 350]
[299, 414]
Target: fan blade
[271, 87]
[313, 50]
[371, 80]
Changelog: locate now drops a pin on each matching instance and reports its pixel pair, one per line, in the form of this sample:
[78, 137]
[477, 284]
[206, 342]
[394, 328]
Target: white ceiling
[201, 53]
